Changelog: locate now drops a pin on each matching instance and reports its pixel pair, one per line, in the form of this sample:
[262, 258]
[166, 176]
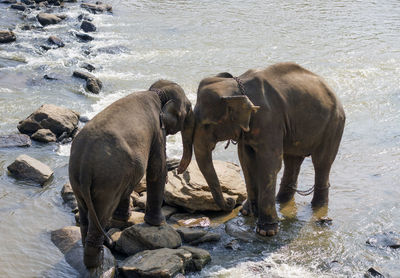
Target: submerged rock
[145, 237]
[385, 239]
[87, 66]
[163, 262]
[190, 190]
[26, 167]
[52, 117]
[48, 19]
[56, 41]
[44, 135]
[97, 8]
[87, 26]
[15, 140]
[7, 36]
[200, 258]
[188, 234]
[93, 84]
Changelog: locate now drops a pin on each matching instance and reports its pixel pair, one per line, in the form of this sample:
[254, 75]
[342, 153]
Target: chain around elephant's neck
[240, 85]
[162, 95]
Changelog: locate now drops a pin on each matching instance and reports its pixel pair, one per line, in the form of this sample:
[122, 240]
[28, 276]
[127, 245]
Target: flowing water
[354, 45]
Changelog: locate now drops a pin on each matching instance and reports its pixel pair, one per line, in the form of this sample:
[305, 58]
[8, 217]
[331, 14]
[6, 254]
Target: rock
[15, 140]
[156, 263]
[172, 163]
[187, 218]
[49, 116]
[324, 221]
[50, 77]
[136, 217]
[200, 258]
[168, 211]
[48, 19]
[190, 190]
[84, 37]
[94, 85]
[141, 186]
[85, 17]
[84, 119]
[87, 26]
[385, 239]
[87, 66]
[18, 6]
[8, 1]
[44, 135]
[233, 245]
[7, 36]
[139, 200]
[209, 237]
[189, 234]
[56, 41]
[28, 2]
[145, 237]
[48, 47]
[68, 240]
[26, 167]
[68, 196]
[96, 8]
[372, 272]
[82, 75]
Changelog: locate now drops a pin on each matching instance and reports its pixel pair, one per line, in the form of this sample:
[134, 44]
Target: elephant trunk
[187, 141]
[204, 161]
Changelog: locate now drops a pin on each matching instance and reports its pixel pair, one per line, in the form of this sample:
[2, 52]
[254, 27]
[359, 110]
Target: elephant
[114, 150]
[283, 112]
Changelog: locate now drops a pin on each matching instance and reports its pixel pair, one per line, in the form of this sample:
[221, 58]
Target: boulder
[68, 240]
[48, 19]
[7, 36]
[26, 167]
[15, 140]
[84, 37]
[56, 41]
[189, 234]
[200, 258]
[156, 263]
[190, 190]
[44, 135]
[93, 84]
[145, 237]
[87, 26]
[48, 116]
[209, 237]
[18, 6]
[97, 8]
[68, 197]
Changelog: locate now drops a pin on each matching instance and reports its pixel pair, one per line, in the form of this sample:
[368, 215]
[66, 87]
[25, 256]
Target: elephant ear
[170, 117]
[224, 75]
[240, 109]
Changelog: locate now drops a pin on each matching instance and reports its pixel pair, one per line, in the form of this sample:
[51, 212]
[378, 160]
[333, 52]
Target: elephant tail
[86, 183]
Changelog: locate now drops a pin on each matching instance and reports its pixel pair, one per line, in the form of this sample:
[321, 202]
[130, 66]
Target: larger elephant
[283, 112]
[111, 154]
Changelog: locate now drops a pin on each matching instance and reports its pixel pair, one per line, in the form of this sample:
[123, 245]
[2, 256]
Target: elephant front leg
[267, 223]
[122, 213]
[288, 185]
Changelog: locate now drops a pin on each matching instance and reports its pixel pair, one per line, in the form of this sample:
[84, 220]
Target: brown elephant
[281, 112]
[111, 154]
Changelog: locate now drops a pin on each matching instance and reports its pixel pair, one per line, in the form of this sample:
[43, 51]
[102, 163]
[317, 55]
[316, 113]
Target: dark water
[354, 45]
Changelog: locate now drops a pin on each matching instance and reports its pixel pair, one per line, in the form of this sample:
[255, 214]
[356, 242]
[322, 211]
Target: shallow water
[354, 45]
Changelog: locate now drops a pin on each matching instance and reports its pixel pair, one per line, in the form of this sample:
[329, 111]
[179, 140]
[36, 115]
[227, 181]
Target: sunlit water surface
[354, 45]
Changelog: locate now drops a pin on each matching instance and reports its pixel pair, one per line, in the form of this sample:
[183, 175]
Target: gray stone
[7, 36]
[96, 8]
[65, 238]
[93, 85]
[200, 258]
[168, 211]
[190, 190]
[15, 140]
[44, 135]
[374, 272]
[145, 237]
[48, 19]
[190, 234]
[49, 116]
[209, 237]
[88, 66]
[85, 17]
[18, 6]
[84, 37]
[156, 263]
[56, 41]
[87, 26]
[68, 197]
[26, 167]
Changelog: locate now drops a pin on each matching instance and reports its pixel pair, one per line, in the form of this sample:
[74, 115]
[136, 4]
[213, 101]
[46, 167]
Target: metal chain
[240, 85]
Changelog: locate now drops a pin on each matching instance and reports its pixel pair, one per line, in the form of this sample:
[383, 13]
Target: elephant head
[176, 115]
[222, 113]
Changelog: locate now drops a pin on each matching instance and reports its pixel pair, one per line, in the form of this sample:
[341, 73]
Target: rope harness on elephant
[243, 92]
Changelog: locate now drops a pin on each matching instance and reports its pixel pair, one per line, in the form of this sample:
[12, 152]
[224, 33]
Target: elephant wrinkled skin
[111, 154]
[283, 112]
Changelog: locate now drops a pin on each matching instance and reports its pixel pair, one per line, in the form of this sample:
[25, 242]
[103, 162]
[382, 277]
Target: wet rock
[200, 258]
[84, 37]
[233, 245]
[136, 217]
[385, 239]
[15, 140]
[373, 272]
[50, 77]
[56, 41]
[48, 19]
[18, 6]
[139, 200]
[68, 197]
[84, 119]
[87, 26]
[190, 190]
[26, 167]
[44, 135]
[93, 84]
[85, 17]
[49, 116]
[87, 66]
[190, 220]
[238, 229]
[28, 2]
[209, 237]
[324, 221]
[156, 263]
[168, 211]
[48, 47]
[8, 1]
[190, 234]
[68, 240]
[97, 8]
[7, 36]
[145, 237]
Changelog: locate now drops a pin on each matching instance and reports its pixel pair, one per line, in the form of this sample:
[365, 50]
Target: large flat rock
[26, 167]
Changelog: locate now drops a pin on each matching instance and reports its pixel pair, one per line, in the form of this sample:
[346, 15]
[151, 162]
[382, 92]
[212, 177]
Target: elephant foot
[93, 256]
[230, 205]
[319, 202]
[267, 229]
[154, 220]
[285, 196]
[249, 208]
[320, 198]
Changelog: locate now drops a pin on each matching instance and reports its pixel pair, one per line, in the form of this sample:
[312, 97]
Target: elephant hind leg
[289, 179]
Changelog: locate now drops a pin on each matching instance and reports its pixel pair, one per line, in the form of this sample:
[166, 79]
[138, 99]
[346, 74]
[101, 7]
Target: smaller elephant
[283, 112]
[111, 154]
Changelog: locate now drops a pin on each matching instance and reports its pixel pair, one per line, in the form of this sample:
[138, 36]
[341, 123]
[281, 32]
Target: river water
[354, 45]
